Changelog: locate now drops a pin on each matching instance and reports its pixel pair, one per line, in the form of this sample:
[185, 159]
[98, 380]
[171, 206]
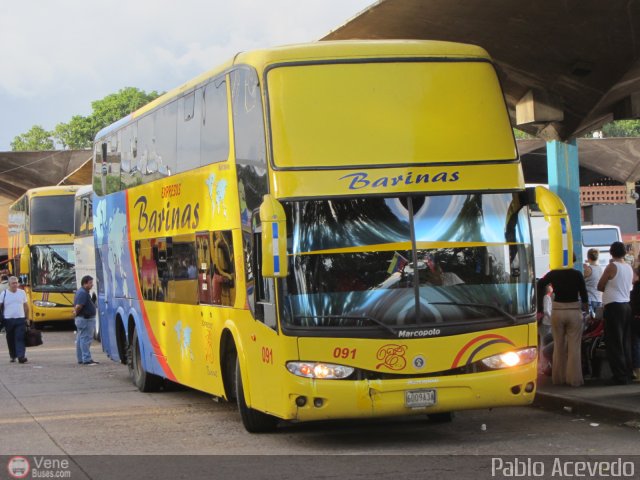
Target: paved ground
[52, 406]
[619, 403]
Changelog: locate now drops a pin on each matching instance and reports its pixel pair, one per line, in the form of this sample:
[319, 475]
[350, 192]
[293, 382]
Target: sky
[57, 56]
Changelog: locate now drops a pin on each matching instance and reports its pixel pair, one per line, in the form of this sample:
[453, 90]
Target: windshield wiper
[513, 319]
[347, 317]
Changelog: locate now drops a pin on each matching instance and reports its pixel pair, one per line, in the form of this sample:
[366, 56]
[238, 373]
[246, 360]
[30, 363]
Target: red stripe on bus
[476, 340]
[154, 342]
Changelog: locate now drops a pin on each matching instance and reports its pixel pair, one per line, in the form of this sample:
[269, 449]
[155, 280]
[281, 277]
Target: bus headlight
[512, 358]
[324, 371]
[43, 303]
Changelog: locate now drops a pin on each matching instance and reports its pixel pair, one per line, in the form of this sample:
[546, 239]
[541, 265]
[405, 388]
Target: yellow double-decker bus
[324, 231]
[41, 234]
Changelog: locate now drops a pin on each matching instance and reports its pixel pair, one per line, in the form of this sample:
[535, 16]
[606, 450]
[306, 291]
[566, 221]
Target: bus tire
[444, 417]
[253, 420]
[145, 381]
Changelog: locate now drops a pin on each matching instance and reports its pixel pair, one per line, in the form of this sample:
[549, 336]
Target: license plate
[420, 398]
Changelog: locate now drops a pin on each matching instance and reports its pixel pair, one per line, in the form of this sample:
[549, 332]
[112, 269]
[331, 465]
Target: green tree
[117, 105]
[76, 134]
[622, 128]
[80, 131]
[35, 139]
[520, 135]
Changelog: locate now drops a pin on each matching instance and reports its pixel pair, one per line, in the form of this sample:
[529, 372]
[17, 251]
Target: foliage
[74, 134]
[80, 131]
[117, 105]
[520, 135]
[37, 138]
[622, 128]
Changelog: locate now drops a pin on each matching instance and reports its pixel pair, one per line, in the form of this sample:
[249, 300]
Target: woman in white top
[616, 283]
[592, 274]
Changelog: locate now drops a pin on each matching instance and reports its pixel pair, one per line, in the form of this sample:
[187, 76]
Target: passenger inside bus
[223, 272]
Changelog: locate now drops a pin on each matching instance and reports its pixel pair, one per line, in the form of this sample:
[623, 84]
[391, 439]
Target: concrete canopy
[20, 171]
[615, 158]
[579, 59]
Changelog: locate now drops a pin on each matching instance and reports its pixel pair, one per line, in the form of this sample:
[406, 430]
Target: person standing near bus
[85, 311]
[16, 312]
[616, 283]
[566, 323]
[592, 273]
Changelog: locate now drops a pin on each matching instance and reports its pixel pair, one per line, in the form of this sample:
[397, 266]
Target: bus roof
[51, 190]
[83, 189]
[352, 49]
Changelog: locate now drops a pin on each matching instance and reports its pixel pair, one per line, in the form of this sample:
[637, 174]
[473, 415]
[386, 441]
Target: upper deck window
[387, 113]
[52, 214]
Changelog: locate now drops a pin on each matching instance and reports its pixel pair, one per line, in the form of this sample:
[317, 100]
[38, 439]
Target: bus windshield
[407, 261]
[53, 268]
[52, 214]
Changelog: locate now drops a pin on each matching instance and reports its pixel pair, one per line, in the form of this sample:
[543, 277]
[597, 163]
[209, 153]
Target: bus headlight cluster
[512, 358]
[325, 371]
[42, 303]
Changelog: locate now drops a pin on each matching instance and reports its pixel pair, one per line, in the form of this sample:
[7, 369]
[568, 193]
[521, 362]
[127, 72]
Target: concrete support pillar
[564, 180]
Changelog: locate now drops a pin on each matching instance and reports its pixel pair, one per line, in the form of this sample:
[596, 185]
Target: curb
[583, 407]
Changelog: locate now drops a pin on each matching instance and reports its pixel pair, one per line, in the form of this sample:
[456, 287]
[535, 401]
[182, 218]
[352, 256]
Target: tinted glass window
[109, 172]
[146, 149]
[83, 216]
[52, 214]
[163, 163]
[597, 237]
[215, 124]
[224, 275]
[189, 123]
[248, 122]
[188, 269]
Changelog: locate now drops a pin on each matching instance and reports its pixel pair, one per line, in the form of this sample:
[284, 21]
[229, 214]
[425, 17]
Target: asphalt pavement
[93, 417]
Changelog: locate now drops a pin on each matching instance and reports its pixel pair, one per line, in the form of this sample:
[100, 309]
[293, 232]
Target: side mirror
[560, 239]
[274, 238]
[25, 264]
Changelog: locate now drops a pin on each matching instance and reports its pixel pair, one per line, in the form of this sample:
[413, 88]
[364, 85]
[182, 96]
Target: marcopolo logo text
[431, 332]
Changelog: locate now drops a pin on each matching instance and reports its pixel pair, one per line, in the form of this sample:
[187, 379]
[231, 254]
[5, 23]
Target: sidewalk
[595, 398]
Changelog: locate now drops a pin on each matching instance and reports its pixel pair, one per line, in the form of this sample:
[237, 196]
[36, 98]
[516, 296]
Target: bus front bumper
[51, 314]
[310, 399]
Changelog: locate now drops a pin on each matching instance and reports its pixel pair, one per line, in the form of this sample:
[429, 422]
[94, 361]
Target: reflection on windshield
[355, 259]
[53, 267]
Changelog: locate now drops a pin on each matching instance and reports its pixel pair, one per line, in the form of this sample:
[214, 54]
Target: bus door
[203, 247]
[264, 287]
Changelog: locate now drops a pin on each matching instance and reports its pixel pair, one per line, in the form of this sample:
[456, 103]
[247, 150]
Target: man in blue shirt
[85, 312]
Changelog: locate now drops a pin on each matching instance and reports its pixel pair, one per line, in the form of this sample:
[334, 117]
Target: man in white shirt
[16, 311]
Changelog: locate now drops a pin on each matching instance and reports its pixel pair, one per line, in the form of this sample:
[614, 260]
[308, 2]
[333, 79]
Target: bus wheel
[253, 420]
[146, 382]
[445, 417]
